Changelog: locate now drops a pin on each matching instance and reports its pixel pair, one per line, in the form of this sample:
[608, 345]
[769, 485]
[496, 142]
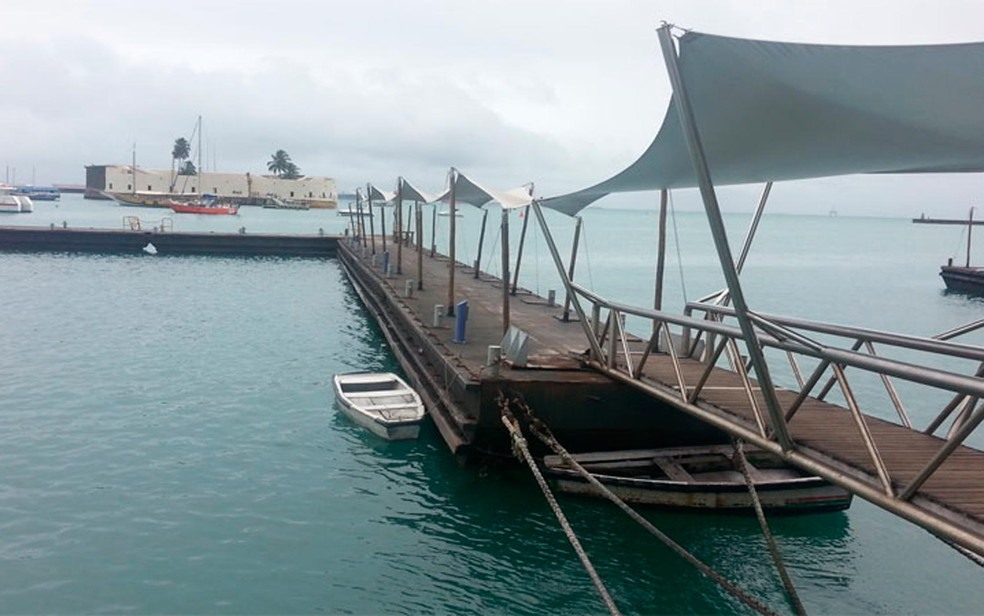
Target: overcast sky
[560, 92]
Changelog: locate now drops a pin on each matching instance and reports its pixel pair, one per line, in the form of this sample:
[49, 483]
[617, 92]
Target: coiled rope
[519, 445]
[541, 431]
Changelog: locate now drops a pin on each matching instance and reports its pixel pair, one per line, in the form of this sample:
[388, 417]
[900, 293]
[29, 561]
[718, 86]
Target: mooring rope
[519, 443]
[770, 540]
[543, 433]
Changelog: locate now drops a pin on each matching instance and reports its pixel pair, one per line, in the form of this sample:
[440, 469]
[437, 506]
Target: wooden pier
[594, 406]
[588, 410]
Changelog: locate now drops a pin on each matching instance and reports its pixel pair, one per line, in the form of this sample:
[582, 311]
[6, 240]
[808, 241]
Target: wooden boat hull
[712, 483]
[966, 280]
[393, 413]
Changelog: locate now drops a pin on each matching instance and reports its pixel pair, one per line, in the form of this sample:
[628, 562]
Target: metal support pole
[453, 214]
[519, 251]
[419, 211]
[505, 269]
[720, 235]
[399, 226]
[382, 223]
[661, 255]
[570, 272]
[559, 264]
[970, 229]
[434, 231]
[372, 225]
[362, 221]
[481, 244]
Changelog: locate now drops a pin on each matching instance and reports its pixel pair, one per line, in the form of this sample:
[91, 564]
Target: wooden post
[570, 270]
[519, 251]
[505, 270]
[481, 243]
[451, 245]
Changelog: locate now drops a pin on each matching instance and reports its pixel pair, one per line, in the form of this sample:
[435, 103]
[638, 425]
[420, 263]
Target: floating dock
[593, 406]
[585, 409]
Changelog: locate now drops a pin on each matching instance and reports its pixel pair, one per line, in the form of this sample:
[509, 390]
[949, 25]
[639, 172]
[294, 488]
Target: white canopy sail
[468, 191]
[769, 111]
[408, 192]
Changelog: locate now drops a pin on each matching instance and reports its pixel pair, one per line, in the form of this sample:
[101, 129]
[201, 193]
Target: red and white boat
[204, 206]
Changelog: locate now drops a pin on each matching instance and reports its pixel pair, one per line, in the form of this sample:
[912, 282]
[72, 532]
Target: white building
[121, 179]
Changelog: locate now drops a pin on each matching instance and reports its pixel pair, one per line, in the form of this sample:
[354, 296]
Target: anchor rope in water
[770, 540]
[519, 443]
[541, 431]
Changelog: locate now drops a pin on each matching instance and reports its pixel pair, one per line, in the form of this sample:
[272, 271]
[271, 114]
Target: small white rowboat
[381, 402]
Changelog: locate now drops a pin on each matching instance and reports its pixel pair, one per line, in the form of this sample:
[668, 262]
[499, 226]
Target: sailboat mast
[970, 228]
[133, 170]
[200, 190]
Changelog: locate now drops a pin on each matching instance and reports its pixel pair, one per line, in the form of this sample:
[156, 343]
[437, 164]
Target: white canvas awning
[380, 195]
[409, 192]
[468, 191]
[768, 111]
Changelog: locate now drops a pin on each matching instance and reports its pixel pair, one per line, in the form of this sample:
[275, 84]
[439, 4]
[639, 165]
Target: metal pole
[570, 273]
[399, 226]
[481, 243]
[661, 255]
[382, 223]
[451, 245]
[750, 235]
[419, 210]
[519, 252]
[372, 226]
[434, 231]
[559, 264]
[505, 270]
[720, 235]
[362, 221]
[970, 228]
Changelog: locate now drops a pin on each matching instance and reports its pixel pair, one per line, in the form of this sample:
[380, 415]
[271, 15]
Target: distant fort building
[106, 181]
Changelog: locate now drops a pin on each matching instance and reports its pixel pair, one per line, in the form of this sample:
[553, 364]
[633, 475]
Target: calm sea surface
[169, 442]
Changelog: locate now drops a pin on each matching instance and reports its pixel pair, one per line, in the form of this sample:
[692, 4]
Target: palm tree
[181, 151]
[280, 163]
[293, 172]
[188, 168]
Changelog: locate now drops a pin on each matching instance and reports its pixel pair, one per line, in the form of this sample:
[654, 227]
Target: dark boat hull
[965, 280]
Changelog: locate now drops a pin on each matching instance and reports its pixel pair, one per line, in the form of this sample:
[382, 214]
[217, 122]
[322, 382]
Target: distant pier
[137, 241]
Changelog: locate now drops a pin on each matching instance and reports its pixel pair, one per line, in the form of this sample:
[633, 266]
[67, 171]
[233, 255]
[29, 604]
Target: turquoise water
[170, 443]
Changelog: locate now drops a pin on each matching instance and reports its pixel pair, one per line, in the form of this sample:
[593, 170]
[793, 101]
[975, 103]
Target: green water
[169, 442]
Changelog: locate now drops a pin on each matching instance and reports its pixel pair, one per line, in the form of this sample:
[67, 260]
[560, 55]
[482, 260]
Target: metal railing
[712, 340]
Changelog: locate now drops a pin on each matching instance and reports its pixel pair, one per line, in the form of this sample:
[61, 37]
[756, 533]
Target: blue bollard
[460, 318]
[386, 262]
